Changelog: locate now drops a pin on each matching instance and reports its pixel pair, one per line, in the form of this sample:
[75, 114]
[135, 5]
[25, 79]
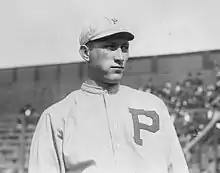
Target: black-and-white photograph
[118, 86]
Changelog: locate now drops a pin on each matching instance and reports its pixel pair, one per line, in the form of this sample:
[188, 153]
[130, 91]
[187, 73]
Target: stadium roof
[41, 32]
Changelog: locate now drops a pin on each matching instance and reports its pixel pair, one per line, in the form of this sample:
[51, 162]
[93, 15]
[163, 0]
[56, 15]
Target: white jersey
[94, 131]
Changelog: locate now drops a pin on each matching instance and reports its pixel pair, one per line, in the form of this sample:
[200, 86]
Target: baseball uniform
[97, 131]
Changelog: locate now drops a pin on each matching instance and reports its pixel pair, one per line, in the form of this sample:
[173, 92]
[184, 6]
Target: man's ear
[84, 52]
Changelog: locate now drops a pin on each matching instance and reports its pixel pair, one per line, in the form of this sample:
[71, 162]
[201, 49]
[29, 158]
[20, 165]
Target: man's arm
[177, 162]
[44, 157]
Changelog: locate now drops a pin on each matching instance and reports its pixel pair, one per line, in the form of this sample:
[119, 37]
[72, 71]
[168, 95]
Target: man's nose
[119, 58]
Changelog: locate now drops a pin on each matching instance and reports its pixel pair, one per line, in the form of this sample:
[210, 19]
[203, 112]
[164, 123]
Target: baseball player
[105, 127]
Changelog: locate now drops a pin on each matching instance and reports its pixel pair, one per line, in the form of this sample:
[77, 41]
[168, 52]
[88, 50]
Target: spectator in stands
[217, 85]
[178, 88]
[198, 79]
[189, 80]
[214, 95]
[148, 87]
[29, 115]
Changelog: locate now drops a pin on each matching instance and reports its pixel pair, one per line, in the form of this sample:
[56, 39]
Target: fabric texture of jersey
[95, 131]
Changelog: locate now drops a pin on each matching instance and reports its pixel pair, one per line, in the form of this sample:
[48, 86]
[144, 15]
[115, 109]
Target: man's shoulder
[62, 107]
[58, 113]
[141, 95]
[144, 100]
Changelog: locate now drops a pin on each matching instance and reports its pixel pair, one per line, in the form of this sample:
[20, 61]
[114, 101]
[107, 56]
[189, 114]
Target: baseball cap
[103, 27]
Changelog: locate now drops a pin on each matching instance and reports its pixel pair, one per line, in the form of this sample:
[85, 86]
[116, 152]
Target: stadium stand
[195, 110]
[15, 140]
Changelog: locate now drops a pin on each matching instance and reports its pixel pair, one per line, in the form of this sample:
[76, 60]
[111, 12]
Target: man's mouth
[117, 67]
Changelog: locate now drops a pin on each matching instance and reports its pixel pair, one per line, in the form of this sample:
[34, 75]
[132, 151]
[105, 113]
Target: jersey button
[117, 145]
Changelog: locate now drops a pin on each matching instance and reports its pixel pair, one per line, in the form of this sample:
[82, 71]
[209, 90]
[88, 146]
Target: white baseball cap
[102, 27]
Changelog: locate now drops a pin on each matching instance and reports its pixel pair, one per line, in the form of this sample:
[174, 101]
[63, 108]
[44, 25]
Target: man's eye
[124, 48]
[111, 47]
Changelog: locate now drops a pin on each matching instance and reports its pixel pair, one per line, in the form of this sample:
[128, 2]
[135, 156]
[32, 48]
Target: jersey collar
[91, 88]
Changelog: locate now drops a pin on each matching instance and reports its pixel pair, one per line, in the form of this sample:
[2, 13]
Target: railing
[202, 151]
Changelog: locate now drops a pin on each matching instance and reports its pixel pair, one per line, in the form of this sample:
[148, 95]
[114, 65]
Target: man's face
[107, 59]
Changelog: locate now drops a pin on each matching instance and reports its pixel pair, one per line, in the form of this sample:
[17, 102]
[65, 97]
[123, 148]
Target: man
[105, 127]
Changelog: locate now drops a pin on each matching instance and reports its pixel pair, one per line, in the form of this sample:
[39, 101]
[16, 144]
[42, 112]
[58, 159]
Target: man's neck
[104, 86]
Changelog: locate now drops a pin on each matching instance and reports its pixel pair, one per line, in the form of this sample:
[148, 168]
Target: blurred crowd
[188, 98]
[191, 104]
[191, 93]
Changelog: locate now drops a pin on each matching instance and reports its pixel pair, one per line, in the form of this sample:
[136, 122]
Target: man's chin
[114, 80]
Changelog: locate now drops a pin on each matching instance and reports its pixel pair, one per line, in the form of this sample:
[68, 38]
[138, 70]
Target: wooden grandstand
[15, 143]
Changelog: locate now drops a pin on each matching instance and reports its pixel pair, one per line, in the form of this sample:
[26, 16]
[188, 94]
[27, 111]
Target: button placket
[110, 123]
[118, 145]
[116, 131]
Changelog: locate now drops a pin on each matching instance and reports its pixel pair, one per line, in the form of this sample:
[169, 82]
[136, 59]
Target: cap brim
[119, 33]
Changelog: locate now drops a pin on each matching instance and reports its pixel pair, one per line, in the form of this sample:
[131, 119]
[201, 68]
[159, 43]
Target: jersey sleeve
[176, 159]
[44, 156]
